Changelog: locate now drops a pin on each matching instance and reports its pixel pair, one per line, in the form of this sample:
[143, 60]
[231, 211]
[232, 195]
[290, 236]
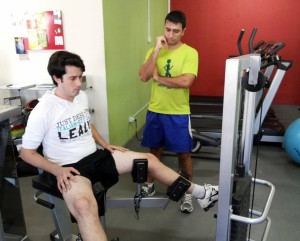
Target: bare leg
[185, 163]
[83, 206]
[156, 152]
[156, 169]
[206, 195]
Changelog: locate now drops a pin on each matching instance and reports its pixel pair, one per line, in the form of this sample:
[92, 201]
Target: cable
[256, 162]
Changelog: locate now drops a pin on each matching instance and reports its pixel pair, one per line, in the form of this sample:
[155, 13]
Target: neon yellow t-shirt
[172, 63]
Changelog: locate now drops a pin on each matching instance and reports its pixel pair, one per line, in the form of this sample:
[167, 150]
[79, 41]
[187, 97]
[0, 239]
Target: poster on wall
[38, 31]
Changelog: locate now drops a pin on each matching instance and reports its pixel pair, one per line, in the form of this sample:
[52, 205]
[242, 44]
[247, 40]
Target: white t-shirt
[63, 128]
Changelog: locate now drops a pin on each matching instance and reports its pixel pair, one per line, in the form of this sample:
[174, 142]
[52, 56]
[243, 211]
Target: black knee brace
[139, 170]
[178, 188]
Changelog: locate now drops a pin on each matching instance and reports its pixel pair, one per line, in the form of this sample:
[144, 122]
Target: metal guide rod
[247, 132]
[249, 112]
[276, 82]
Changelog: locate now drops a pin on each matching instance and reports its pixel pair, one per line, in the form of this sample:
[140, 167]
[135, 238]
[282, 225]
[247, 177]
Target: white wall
[83, 34]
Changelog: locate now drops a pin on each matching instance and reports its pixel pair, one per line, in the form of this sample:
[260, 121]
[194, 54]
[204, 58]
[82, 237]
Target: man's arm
[182, 81]
[64, 175]
[147, 69]
[97, 137]
[100, 141]
[32, 157]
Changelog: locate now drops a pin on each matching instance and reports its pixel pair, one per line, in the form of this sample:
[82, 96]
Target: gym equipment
[235, 176]
[292, 141]
[206, 112]
[12, 223]
[178, 189]
[61, 215]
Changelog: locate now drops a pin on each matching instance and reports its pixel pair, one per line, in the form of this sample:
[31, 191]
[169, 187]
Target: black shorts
[98, 166]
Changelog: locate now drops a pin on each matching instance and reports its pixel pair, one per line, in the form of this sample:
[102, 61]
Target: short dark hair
[58, 62]
[176, 17]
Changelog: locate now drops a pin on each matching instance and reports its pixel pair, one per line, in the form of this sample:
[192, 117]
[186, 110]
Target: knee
[153, 162]
[84, 207]
[152, 159]
[150, 156]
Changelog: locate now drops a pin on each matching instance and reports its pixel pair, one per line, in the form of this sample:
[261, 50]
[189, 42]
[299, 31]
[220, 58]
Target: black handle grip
[250, 43]
[258, 45]
[45, 203]
[239, 42]
[277, 48]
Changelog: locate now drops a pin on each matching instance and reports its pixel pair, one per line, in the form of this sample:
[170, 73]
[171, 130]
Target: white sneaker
[147, 190]
[210, 198]
[186, 203]
[79, 237]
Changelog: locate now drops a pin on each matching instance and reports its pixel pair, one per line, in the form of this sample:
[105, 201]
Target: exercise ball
[292, 141]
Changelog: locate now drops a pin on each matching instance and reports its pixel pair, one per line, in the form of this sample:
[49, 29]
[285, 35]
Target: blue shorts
[173, 132]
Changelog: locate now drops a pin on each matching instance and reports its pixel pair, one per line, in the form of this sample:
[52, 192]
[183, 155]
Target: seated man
[61, 123]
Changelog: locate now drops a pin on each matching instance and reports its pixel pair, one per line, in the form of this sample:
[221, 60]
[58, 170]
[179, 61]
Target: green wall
[125, 36]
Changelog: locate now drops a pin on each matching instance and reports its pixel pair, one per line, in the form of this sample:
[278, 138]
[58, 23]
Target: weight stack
[240, 206]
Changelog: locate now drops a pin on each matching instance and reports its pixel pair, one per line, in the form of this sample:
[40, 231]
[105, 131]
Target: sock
[198, 191]
[149, 184]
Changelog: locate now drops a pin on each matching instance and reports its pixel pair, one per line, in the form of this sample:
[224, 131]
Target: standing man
[173, 66]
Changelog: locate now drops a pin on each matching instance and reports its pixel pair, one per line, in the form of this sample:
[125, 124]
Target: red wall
[213, 27]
